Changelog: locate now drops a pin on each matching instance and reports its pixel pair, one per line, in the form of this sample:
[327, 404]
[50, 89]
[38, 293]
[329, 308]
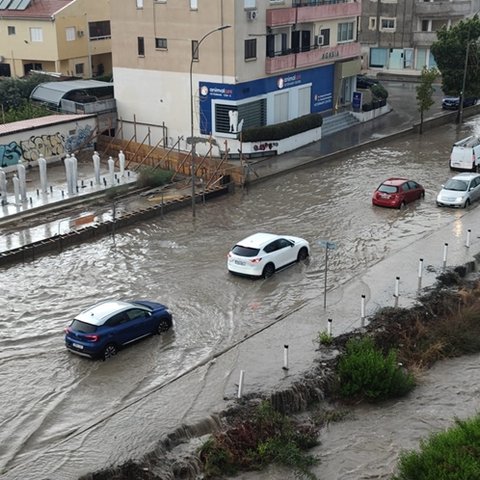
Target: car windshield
[456, 185]
[388, 189]
[245, 251]
[83, 327]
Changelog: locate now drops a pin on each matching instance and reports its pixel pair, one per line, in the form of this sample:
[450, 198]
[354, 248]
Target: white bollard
[420, 272]
[445, 251]
[285, 357]
[397, 287]
[96, 167]
[121, 162]
[329, 327]
[362, 310]
[111, 171]
[240, 384]
[467, 243]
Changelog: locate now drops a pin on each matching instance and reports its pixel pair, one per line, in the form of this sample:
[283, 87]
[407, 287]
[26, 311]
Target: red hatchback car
[397, 192]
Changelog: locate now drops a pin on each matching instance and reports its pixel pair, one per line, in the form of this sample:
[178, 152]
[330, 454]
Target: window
[425, 26]
[100, 29]
[345, 32]
[372, 23]
[36, 34]
[387, 24]
[11, 30]
[139, 4]
[252, 114]
[141, 46]
[193, 4]
[79, 68]
[161, 43]
[325, 33]
[195, 50]
[251, 49]
[70, 33]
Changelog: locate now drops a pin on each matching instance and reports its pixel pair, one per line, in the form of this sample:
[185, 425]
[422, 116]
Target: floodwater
[48, 394]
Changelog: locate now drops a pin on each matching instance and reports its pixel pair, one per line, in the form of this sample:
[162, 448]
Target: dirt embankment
[444, 322]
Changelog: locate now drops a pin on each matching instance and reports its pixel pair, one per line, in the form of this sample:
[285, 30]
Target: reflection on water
[183, 264]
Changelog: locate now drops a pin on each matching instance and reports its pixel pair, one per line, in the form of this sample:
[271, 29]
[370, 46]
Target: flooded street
[48, 394]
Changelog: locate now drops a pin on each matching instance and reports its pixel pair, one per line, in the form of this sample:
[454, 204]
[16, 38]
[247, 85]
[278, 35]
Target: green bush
[450, 455]
[153, 177]
[379, 91]
[283, 130]
[366, 373]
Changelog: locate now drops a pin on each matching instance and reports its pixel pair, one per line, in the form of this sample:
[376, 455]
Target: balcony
[424, 38]
[314, 12]
[443, 8]
[312, 58]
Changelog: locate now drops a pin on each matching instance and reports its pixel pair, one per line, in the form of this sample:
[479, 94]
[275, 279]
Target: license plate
[76, 345]
[385, 195]
[238, 262]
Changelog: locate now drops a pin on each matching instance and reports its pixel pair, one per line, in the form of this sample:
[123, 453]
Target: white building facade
[277, 60]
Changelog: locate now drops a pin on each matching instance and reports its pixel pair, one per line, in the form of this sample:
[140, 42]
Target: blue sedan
[101, 330]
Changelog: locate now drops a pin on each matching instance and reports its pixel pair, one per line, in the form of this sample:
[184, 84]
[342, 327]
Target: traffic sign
[327, 244]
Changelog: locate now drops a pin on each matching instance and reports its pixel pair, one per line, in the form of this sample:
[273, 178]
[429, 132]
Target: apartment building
[397, 34]
[69, 37]
[276, 60]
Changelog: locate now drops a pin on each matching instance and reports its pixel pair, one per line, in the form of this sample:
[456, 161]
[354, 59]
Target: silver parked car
[460, 191]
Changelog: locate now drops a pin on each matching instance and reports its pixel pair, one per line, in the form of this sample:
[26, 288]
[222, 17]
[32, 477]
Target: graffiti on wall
[81, 139]
[47, 145]
[10, 154]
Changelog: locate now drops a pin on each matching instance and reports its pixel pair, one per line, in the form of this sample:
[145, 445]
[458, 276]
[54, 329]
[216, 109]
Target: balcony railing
[424, 38]
[442, 8]
[312, 57]
[314, 12]
[100, 106]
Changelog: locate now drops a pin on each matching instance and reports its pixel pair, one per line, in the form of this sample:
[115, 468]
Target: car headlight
[459, 198]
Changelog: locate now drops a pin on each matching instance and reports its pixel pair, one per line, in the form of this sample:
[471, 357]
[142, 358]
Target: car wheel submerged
[163, 326]
[302, 254]
[269, 270]
[109, 351]
[467, 203]
[402, 206]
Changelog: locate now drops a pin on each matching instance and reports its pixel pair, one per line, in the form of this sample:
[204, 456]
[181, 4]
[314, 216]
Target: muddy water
[367, 443]
[48, 393]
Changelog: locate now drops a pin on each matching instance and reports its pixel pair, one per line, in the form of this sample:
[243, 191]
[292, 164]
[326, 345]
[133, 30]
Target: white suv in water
[262, 254]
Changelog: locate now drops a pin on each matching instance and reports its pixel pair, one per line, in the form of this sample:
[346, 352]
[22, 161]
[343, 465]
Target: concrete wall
[52, 141]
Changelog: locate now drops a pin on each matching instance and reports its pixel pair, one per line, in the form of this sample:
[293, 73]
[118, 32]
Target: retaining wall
[58, 243]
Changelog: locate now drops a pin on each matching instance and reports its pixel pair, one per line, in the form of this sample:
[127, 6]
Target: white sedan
[261, 254]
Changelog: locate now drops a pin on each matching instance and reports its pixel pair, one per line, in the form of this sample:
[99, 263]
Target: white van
[466, 154]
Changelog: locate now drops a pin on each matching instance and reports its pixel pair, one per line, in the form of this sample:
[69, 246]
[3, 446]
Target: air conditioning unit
[252, 15]
[319, 40]
[2, 58]
[80, 33]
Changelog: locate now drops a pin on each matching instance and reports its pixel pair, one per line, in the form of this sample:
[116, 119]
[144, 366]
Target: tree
[455, 60]
[425, 91]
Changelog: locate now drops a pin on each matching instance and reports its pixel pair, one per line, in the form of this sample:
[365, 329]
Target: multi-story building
[70, 37]
[398, 34]
[277, 60]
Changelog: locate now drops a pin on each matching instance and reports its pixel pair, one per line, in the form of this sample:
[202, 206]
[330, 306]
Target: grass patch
[153, 177]
[251, 443]
[450, 455]
[365, 373]
[324, 338]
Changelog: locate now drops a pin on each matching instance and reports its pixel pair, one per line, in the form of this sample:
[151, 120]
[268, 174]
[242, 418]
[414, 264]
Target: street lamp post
[194, 54]
[462, 92]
